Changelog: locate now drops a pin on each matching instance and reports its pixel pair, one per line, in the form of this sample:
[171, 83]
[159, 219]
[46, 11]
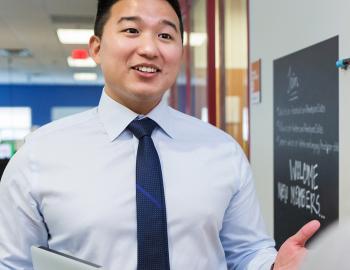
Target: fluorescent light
[88, 62]
[85, 76]
[74, 36]
[196, 39]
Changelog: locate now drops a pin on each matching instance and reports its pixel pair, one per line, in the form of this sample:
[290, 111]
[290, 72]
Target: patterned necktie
[152, 235]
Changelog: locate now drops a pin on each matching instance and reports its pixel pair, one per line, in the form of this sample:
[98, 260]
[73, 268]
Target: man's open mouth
[146, 69]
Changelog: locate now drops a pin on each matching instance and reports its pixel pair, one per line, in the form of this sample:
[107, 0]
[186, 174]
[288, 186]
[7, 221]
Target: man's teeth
[147, 69]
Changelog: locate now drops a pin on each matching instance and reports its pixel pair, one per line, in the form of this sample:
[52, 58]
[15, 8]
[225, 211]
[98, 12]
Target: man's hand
[293, 250]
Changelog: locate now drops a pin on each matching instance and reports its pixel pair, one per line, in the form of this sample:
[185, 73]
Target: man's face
[140, 52]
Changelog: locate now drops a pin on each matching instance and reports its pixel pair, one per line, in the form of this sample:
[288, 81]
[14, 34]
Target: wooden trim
[211, 73]
[188, 105]
[222, 67]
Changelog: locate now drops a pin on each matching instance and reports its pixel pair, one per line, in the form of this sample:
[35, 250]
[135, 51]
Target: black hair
[103, 12]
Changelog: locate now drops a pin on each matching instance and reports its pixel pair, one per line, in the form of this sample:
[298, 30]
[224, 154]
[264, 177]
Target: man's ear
[94, 48]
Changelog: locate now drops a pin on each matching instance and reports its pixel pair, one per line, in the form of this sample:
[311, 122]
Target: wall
[278, 28]
[42, 98]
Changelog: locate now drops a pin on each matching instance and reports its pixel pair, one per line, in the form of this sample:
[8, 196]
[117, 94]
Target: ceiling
[32, 24]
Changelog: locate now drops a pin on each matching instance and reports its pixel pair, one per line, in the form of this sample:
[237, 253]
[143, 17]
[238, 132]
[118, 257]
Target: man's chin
[149, 95]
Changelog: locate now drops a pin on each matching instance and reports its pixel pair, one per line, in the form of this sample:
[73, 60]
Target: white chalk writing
[302, 190]
[306, 109]
[304, 128]
[318, 147]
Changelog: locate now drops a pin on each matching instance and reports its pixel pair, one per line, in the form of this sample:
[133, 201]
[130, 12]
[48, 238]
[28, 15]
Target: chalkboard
[306, 138]
[3, 164]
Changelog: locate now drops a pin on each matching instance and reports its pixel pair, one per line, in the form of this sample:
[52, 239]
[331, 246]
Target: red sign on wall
[255, 82]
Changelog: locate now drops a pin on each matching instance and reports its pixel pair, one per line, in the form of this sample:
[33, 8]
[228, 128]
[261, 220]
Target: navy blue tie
[152, 235]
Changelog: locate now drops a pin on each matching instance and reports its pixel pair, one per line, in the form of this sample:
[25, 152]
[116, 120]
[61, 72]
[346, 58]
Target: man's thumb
[306, 232]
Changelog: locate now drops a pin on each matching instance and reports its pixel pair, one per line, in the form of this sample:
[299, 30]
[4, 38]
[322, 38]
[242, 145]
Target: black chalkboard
[306, 138]
[3, 164]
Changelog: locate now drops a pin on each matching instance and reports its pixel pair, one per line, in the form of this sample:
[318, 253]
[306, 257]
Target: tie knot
[143, 127]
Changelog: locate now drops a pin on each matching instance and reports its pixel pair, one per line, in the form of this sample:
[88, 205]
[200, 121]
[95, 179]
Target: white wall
[278, 28]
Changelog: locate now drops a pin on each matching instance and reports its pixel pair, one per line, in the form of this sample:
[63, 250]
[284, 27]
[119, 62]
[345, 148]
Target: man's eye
[131, 31]
[165, 36]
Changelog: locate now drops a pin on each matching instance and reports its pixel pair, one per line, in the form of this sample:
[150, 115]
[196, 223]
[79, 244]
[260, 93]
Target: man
[179, 196]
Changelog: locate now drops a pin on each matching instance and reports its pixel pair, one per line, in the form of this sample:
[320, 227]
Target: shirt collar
[115, 117]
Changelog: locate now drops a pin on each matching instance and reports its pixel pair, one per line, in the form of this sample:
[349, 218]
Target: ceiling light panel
[88, 62]
[74, 36]
[85, 76]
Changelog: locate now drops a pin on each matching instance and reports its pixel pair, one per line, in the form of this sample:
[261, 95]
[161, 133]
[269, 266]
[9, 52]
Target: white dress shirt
[71, 187]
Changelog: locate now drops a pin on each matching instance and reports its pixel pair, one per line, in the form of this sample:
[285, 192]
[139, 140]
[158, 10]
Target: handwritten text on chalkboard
[301, 190]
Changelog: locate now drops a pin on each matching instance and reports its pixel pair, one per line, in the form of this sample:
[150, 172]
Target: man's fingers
[306, 232]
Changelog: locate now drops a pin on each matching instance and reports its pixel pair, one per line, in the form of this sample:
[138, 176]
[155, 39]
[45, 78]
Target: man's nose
[148, 46]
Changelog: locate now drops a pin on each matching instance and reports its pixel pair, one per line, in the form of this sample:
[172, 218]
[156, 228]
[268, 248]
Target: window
[15, 123]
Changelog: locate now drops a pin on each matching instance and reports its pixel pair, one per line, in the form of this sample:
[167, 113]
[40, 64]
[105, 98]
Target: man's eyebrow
[129, 18]
[171, 24]
[137, 18]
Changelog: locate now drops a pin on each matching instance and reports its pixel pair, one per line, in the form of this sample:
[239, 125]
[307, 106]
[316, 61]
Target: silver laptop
[47, 259]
